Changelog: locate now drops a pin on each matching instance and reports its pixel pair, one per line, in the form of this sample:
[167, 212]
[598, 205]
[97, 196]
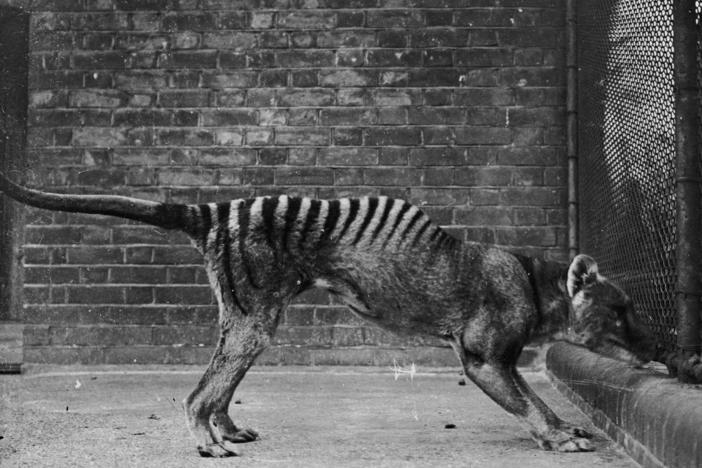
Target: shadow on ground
[307, 417]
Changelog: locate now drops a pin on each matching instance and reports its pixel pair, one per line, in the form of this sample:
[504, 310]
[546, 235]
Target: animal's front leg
[505, 386]
[206, 408]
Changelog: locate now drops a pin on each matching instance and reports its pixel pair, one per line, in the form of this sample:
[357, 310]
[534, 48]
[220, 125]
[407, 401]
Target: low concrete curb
[655, 418]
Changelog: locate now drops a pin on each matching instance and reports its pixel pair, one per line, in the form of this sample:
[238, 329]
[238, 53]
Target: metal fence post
[572, 126]
[689, 225]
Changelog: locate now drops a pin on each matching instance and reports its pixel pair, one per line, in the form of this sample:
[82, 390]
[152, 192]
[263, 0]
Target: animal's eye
[618, 323]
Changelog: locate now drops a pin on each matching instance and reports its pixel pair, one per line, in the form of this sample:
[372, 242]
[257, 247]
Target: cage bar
[688, 180]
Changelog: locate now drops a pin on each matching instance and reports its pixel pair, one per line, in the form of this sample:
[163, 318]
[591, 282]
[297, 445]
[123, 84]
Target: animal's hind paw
[225, 449]
[561, 441]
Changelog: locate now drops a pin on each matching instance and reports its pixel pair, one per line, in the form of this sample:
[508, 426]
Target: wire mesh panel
[627, 150]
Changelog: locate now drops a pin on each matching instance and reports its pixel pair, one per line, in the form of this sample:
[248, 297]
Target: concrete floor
[307, 417]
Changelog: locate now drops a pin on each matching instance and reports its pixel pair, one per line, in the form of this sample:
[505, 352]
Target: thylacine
[391, 265]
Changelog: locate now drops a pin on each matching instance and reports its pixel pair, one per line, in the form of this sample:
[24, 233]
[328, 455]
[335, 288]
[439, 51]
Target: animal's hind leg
[556, 422]
[207, 406]
[506, 387]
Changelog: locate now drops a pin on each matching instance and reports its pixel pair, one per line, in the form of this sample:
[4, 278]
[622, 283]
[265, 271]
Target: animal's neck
[549, 279]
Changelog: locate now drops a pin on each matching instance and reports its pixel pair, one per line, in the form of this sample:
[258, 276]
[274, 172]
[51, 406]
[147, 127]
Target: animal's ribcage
[275, 247]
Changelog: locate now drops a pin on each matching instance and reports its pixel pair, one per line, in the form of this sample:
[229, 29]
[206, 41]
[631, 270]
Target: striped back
[294, 224]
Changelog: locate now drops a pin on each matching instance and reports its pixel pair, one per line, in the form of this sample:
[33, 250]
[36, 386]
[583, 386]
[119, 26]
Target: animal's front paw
[223, 424]
[563, 441]
[575, 431]
[240, 436]
[224, 449]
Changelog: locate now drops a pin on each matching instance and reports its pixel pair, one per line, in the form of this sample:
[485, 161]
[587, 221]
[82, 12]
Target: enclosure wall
[457, 106]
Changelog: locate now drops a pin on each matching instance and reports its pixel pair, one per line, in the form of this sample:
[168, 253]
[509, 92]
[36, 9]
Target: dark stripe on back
[397, 222]
[224, 240]
[353, 210]
[244, 215]
[372, 206]
[290, 218]
[312, 215]
[411, 224]
[383, 218]
[435, 234]
[424, 227]
[206, 223]
[268, 215]
[332, 217]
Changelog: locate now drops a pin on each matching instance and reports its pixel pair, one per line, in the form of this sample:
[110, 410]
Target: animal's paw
[222, 423]
[224, 449]
[576, 431]
[240, 436]
[562, 441]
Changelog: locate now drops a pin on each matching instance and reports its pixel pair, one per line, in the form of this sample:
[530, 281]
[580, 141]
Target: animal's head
[604, 317]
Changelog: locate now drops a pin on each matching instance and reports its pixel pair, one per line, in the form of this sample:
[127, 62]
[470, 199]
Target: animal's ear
[582, 271]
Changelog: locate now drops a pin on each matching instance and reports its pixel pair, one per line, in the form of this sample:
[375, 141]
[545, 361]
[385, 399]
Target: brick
[225, 117]
[101, 21]
[305, 58]
[307, 19]
[188, 59]
[393, 58]
[350, 19]
[530, 156]
[433, 77]
[128, 5]
[291, 136]
[346, 78]
[531, 76]
[304, 176]
[438, 196]
[229, 40]
[348, 116]
[484, 97]
[302, 156]
[537, 116]
[226, 137]
[52, 275]
[233, 20]
[536, 236]
[348, 136]
[183, 137]
[186, 176]
[272, 156]
[227, 157]
[532, 196]
[95, 136]
[337, 39]
[391, 176]
[474, 135]
[176, 256]
[306, 97]
[451, 156]
[477, 176]
[188, 22]
[100, 60]
[348, 156]
[140, 80]
[394, 19]
[384, 136]
[439, 37]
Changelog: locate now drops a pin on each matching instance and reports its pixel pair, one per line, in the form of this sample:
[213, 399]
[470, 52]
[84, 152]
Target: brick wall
[455, 105]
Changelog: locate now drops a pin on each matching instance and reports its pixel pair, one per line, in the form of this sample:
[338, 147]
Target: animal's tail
[164, 215]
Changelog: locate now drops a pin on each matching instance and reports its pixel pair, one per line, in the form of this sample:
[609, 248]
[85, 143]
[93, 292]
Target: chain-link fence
[627, 150]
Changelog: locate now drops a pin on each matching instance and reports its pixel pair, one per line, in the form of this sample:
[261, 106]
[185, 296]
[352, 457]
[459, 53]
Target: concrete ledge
[655, 418]
[10, 347]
